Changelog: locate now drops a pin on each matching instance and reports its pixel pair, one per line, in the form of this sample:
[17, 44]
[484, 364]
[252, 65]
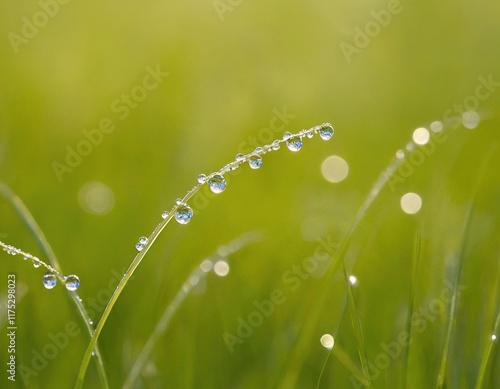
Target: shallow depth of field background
[227, 76]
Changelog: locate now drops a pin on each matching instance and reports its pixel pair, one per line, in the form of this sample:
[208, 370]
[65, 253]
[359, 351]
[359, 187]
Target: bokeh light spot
[221, 268]
[436, 126]
[334, 169]
[411, 203]
[96, 198]
[421, 136]
[327, 341]
[470, 119]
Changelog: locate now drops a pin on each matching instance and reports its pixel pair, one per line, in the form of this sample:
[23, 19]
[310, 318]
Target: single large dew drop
[326, 131]
[255, 161]
[183, 214]
[217, 184]
[49, 280]
[72, 282]
[294, 143]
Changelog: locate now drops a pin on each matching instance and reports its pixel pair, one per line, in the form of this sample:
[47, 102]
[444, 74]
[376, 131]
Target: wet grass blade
[30, 222]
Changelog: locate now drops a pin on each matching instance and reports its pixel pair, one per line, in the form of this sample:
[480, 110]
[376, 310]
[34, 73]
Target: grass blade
[290, 139]
[358, 330]
[411, 304]
[30, 222]
[173, 307]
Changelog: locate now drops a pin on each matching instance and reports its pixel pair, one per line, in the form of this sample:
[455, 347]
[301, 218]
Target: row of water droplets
[216, 182]
[72, 282]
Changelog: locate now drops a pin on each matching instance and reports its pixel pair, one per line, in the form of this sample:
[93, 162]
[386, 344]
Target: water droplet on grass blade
[72, 282]
[183, 214]
[327, 341]
[49, 280]
[294, 143]
[201, 178]
[255, 161]
[326, 131]
[240, 157]
[143, 241]
[217, 184]
[36, 264]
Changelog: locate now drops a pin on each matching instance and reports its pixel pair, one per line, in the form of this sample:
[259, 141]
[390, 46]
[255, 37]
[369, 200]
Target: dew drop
[164, 214]
[294, 143]
[179, 201]
[493, 337]
[36, 264]
[353, 280]
[327, 341]
[72, 282]
[183, 214]
[143, 241]
[326, 131]
[49, 280]
[276, 145]
[201, 179]
[25, 258]
[310, 134]
[286, 135]
[217, 183]
[255, 161]
[239, 157]
[259, 150]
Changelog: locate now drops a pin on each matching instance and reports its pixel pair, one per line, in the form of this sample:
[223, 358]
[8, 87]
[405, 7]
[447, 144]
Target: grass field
[385, 237]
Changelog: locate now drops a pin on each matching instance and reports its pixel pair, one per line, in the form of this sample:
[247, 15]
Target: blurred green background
[231, 66]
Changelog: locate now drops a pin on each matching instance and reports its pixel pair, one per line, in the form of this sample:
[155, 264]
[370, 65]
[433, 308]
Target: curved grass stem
[30, 222]
[177, 301]
[294, 143]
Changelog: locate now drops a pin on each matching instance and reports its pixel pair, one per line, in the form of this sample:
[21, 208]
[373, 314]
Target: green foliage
[426, 301]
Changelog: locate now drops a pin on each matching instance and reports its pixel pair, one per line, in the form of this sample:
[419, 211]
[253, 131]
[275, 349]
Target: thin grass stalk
[488, 355]
[30, 222]
[292, 140]
[172, 308]
[300, 351]
[358, 330]
[412, 300]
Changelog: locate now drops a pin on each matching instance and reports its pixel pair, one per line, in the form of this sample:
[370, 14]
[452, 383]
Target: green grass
[433, 276]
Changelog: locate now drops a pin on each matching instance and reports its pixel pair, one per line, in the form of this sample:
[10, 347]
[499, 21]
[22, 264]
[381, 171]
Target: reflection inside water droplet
[294, 143]
[326, 131]
[183, 214]
[49, 280]
[72, 282]
[217, 184]
[255, 161]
